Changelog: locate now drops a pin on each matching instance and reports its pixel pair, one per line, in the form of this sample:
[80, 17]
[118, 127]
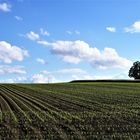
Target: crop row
[69, 111]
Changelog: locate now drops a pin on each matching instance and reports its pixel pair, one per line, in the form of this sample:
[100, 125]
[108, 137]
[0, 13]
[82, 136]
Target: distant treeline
[109, 80]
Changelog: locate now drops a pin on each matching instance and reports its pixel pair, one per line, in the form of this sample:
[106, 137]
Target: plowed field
[70, 111]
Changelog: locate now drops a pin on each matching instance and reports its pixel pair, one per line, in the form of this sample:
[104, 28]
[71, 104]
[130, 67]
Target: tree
[135, 70]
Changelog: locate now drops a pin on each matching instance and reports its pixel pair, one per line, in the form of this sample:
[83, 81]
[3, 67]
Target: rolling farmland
[70, 111]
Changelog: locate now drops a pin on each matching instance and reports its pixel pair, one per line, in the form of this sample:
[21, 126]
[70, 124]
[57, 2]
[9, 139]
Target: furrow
[57, 102]
[57, 115]
[25, 122]
[51, 119]
[72, 100]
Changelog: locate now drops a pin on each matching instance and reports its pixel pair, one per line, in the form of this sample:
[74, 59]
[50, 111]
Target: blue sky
[63, 40]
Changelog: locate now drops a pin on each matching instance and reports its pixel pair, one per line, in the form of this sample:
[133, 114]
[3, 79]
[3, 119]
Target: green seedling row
[70, 111]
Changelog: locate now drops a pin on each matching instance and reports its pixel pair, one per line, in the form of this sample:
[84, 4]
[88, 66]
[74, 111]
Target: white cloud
[41, 61]
[69, 32]
[42, 42]
[5, 7]
[65, 71]
[73, 32]
[71, 59]
[32, 36]
[6, 69]
[43, 77]
[18, 18]
[76, 51]
[8, 53]
[8, 81]
[62, 75]
[15, 80]
[45, 72]
[123, 75]
[65, 74]
[77, 32]
[109, 58]
[99, 77]
[43, 32]
[90, 77]
[111, 29]
[71, 70]
[134, 28]
[21, 79]
[47, 77]
[40, 78]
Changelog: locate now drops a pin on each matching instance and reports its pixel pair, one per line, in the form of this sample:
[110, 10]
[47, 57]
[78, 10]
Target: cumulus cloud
[48, 77]
[41, 61]
[62, 75]
[40, 78]
[43, 77]
[111, 29]
[18, 18]
[6, 69]
[32, 36]
[5, 7]
[109, 58]
[9, 52]
[43, 32]
[76, 51]
[71, 59]
[15, 80]
[134, 28]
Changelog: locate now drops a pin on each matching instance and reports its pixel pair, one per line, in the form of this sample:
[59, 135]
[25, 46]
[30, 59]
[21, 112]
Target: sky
[49, 41]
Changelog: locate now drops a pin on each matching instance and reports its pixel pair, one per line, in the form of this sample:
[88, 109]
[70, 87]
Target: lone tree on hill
[135, 70]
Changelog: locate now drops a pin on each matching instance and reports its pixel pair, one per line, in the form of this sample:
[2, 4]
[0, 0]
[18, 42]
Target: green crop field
[86, 111]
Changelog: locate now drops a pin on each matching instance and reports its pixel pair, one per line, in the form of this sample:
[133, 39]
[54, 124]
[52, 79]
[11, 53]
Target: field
[86, 111]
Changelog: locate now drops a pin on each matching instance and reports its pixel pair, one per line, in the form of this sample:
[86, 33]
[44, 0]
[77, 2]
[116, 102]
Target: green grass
[98, 110]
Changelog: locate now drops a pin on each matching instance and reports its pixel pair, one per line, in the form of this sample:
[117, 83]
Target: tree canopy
[135, 70]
